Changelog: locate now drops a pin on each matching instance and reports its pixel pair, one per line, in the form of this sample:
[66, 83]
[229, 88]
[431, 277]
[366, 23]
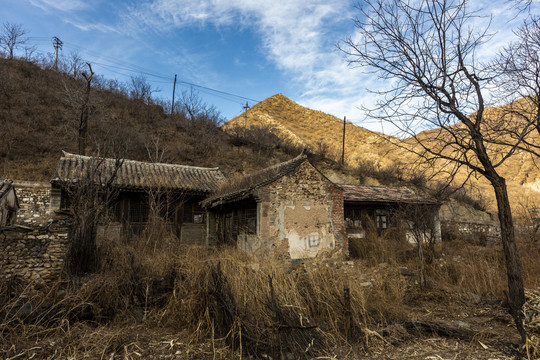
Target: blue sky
[250, 48]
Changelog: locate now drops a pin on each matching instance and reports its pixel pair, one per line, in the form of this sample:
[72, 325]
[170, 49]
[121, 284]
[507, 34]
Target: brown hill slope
[323, 132]
[313, 129]
[39, 112]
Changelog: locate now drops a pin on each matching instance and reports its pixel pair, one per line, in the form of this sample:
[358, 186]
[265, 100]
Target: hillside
[314, 129]
[370, 152]
[39, 115]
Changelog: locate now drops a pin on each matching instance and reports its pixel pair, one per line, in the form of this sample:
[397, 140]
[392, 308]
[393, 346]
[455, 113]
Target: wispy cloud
[104, 28]
[299, 37]
[62, 5]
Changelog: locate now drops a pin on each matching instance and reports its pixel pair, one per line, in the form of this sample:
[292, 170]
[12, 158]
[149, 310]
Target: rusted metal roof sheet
[366, 193]
[137, 175]
[243, 187]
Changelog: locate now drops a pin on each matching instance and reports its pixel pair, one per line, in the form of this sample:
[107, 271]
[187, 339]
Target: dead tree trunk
[83, 123]
[516, 295]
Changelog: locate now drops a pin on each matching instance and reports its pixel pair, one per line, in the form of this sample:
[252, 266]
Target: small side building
[9, 204]
[134, 191]
[383, 209]
[290, 210]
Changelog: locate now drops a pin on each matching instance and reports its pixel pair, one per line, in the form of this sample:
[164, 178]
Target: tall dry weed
[481, 270]
[270, 307]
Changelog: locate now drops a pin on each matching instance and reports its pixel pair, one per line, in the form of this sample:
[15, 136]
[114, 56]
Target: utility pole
[173, 89]
[343, 148]
[245, 118]
[57, 43]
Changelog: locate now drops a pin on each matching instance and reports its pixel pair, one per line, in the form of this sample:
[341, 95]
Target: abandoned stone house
[290, 209]
[138, 192]
[9, 204]
[383, 209]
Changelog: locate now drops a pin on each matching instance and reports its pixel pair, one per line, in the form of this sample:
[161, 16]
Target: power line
[136, 68]
[113, 63]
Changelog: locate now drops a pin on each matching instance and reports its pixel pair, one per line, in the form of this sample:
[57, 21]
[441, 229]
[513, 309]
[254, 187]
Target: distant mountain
[381, 153]
[314, 129]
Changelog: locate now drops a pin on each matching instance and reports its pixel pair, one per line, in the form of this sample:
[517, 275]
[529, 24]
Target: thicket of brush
[236, 303]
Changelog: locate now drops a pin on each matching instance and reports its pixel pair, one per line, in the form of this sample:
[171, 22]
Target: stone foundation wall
[481, 233]
[33, 254]
[34, 201]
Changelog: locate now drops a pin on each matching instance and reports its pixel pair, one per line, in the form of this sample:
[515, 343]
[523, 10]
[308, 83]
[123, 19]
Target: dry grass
[481, 270]
[154, 297]
[237, 303]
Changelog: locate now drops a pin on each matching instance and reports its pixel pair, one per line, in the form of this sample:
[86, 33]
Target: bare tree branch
[426, 52]
[11, 37]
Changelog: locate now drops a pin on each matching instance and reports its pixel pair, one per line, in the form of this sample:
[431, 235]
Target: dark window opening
[193, 214]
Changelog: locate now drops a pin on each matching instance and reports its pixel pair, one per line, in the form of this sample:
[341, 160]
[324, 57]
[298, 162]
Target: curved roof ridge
[86, 157]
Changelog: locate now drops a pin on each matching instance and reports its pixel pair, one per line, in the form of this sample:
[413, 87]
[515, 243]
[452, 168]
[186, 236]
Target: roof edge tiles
[383, 194]
[244, 186]
[138, 175]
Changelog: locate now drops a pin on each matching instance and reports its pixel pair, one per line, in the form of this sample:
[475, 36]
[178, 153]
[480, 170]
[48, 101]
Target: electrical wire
[113, 63]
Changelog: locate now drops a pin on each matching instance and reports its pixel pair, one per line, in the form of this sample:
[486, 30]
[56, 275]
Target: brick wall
[338, 217]
[302, 215]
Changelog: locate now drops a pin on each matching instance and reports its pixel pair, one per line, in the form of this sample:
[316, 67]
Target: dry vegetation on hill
[314, 129]
[379, 156]
[40, 109]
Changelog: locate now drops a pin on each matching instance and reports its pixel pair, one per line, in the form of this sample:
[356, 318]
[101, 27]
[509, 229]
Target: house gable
[295, 213]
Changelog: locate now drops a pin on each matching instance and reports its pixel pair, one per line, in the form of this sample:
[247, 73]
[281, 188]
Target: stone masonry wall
[297, 215]
[33, 254]
[34, 201]
[338, 217]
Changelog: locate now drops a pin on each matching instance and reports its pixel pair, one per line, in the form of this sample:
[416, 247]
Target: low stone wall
[33, 254]
[481, 233]
[34, 201]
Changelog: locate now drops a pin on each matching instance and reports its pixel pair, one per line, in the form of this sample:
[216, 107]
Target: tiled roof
[137, 175]
[366, 193]
[243, 187]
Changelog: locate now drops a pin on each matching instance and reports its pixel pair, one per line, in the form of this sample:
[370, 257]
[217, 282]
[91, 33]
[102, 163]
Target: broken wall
[33, 254]
[35, 201]
[301, 215]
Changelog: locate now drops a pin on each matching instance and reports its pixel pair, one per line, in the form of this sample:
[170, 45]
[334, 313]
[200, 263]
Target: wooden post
[245, 118]
[173, 90]
[343, 148]
[57, 43]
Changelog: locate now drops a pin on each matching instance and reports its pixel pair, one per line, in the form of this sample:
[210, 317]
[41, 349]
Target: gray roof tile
[366, 193]
[137, 175]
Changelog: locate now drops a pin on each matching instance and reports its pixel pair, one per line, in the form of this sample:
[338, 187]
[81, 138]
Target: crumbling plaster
[296, 215]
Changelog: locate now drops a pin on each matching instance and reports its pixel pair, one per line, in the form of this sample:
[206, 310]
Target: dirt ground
[441, 325]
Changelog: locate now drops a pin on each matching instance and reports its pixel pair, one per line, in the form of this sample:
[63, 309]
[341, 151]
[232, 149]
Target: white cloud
[93, 27]
[291, 31]
[298, 36]
[62, 5]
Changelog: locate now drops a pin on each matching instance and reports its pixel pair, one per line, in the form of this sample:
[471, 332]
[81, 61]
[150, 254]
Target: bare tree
[83, 123]
[425, 51]
[89, 195]
[518, 78]
[73, 65]
[141, 89]
[11, 37]
[194, 108]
